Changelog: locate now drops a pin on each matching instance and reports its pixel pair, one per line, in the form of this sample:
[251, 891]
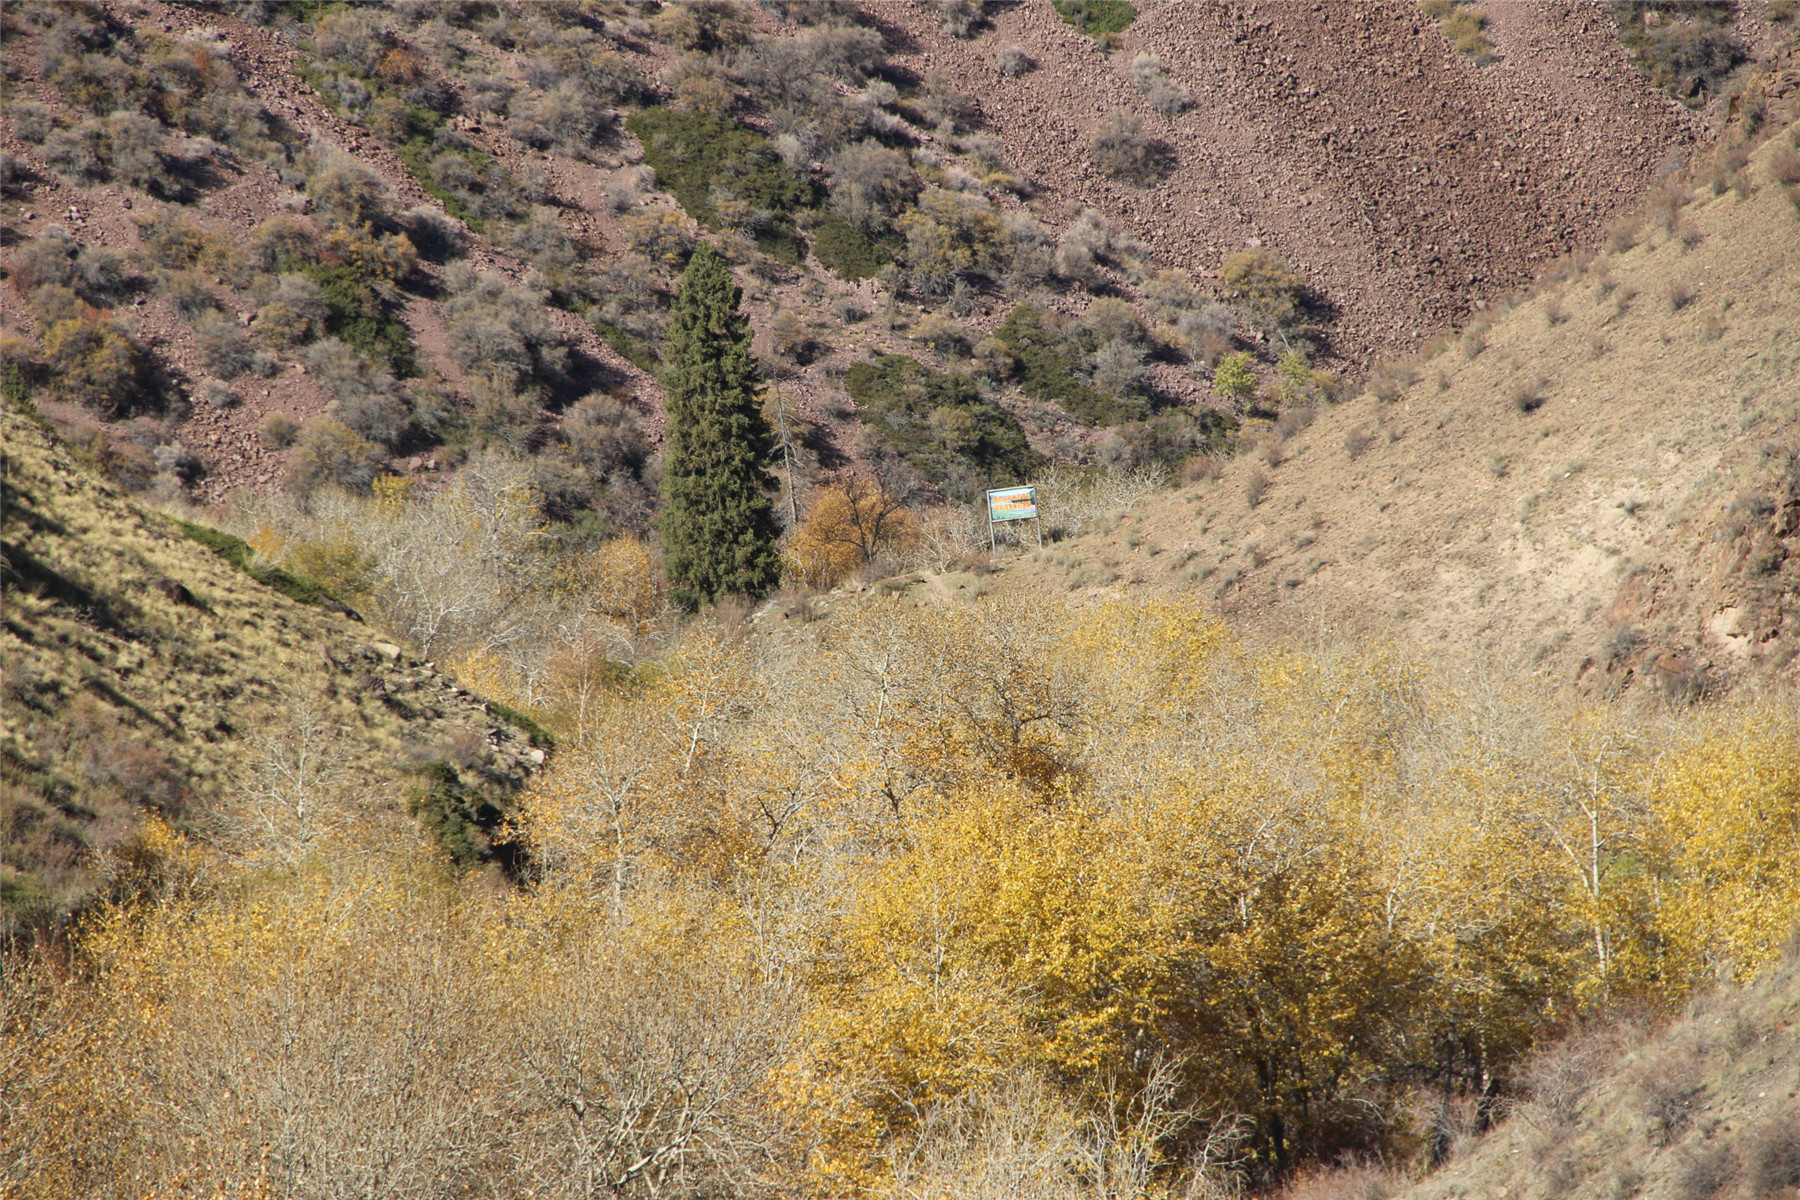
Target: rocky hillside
[438, 226]
[1407, 181]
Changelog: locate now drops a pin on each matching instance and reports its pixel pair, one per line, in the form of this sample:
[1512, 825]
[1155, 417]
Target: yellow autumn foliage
[1096, 887]
[1727, 821]
[849, 524]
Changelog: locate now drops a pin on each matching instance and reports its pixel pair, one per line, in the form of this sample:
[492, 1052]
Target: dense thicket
[1074, 899]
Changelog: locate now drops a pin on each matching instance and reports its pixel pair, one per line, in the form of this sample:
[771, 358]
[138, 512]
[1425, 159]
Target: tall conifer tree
[718, 525]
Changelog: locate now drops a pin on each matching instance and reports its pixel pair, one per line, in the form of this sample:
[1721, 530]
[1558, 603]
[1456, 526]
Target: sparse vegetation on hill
[1050, 367]
[1686, 49]
[959, 867]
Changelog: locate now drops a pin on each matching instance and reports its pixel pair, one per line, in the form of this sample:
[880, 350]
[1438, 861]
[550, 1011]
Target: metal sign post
[1012, 504]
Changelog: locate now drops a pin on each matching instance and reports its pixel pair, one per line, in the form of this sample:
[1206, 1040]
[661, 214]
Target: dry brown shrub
[1784, 165]
[1256, 486]
[1773, 1151]
[1529, 395]
[1120, 148]
[1669, 1087]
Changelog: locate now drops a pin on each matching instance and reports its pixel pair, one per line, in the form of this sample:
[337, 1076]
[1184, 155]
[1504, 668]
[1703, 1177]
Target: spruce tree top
[718, 525]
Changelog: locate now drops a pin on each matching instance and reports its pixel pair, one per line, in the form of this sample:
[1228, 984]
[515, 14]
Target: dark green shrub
[846, 251]
[356, 314]
[939, 422]
[15, 381]
[539, 736]
[465, 822]
[1050, 365]
[698, 158]
[1097, 18]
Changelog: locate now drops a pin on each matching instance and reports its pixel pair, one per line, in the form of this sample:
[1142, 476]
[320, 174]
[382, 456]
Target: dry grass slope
[1599, 480]
[1709, 1107]
[146, 676]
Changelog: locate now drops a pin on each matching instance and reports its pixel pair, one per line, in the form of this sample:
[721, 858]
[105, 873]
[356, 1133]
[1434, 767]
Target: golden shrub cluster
[851, 523]
[1075, 899]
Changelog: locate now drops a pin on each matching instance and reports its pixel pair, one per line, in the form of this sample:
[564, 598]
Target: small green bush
[940, 423]
[1097, 18]
[356, 314]
[1233, 379]
[465, 822]
[698, 158]
[846, 251]
[1050, 363]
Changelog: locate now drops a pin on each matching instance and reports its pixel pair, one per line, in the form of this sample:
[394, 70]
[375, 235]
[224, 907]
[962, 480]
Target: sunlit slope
[1600, 480]
[1707, 1108]
[145, 675]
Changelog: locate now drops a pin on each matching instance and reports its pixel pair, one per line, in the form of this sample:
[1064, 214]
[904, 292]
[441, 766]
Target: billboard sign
[1012, 504]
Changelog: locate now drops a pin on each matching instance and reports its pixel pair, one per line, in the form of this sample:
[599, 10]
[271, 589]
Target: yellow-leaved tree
[1728, 837]
[850, 523]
